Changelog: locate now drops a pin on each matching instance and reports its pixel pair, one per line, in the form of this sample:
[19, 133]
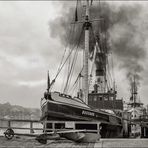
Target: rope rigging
[74, 61]
[62, 63]
[101, 39]
[110, 79]
[78, 77]
[70, 71]
[69, 37]
[69, 53]
[75, 83]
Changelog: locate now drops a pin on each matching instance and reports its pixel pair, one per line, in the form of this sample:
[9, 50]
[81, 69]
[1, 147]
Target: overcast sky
[28, 50]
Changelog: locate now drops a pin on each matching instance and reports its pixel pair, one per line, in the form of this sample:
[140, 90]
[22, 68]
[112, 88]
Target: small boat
[82, 137]
[75, 136]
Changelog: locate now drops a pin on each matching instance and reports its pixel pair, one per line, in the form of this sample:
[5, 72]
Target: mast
[48, 82]
[134, 91]
[86, 54]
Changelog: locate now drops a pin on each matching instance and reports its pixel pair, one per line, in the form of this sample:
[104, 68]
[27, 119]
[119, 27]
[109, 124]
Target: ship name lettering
[87, 113]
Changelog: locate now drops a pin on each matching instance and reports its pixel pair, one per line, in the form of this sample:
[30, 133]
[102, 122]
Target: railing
[54, 125]
[8, 123]
[75, 125]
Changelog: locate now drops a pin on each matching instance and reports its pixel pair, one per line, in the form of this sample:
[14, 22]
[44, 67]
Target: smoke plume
[125, 33]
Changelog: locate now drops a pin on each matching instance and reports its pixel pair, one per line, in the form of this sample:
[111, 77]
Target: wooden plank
[76, 122]
[21, 128]
[20, 120]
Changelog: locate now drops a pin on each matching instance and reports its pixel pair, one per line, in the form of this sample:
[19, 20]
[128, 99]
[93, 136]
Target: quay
[20, 141]
[64, 143]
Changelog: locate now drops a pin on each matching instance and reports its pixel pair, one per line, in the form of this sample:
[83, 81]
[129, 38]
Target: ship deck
[103, 143]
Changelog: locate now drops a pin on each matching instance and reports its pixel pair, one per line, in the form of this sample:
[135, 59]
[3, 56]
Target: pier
[52, 125]
[103, 143]
[24, 141]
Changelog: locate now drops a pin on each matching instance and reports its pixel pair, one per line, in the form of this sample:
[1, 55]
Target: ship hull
[61, 111]
[56, 111]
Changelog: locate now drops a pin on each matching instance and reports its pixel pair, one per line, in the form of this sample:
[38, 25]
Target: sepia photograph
[74, 73]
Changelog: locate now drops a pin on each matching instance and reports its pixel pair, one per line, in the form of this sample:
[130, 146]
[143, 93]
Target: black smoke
[124, 29]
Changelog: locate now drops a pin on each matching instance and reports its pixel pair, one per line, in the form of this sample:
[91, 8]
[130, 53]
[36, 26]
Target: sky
[29, 48]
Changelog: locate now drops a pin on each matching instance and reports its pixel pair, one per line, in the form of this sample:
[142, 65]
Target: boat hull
[55, 111]
[82, 137]
[111, 125]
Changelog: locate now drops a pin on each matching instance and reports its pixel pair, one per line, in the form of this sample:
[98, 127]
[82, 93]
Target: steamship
[93, 100]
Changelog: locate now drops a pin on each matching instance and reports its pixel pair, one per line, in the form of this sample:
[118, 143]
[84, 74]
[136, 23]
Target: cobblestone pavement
[122, 143]
[103, 143]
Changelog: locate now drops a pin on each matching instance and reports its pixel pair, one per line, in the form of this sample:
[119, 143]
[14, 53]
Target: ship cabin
[106, 101]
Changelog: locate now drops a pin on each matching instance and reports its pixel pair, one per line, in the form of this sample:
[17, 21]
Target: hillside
[9, 111]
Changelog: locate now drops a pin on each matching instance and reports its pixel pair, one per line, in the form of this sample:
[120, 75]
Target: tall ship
[135, 109]
[93, 99]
